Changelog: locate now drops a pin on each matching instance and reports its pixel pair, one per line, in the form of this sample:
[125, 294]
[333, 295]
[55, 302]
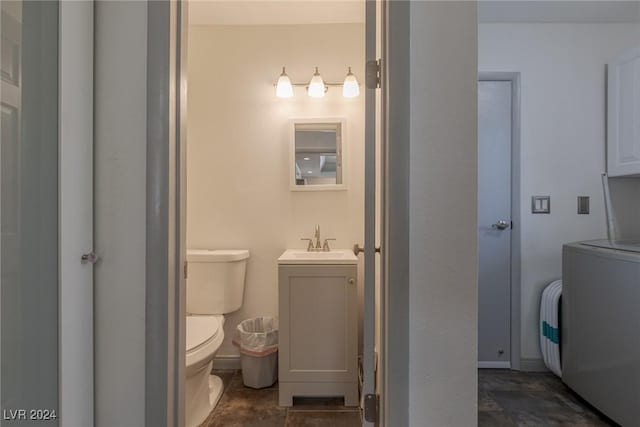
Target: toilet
[215, 286]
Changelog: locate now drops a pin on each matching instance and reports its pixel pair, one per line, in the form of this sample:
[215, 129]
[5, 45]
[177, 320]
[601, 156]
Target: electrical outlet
[583, 205]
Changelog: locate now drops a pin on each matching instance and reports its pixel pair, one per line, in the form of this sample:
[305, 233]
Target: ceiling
[291, 12]
[578, 11]
[278, 12]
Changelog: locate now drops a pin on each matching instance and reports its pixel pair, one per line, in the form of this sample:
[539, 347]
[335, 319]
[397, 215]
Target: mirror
[317, 155]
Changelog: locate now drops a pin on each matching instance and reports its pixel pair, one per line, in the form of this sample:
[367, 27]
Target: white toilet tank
[215, 280]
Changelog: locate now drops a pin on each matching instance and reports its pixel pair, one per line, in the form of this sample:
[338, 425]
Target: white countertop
[333, 257]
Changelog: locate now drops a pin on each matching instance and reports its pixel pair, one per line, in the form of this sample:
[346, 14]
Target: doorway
[249, 154]
[498, 219]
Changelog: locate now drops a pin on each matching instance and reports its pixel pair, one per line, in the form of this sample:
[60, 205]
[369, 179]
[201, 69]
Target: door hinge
[371, 408]
[373, 77]
[184, 269]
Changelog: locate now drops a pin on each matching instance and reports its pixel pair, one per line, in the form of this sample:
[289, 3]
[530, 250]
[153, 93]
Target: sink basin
[301, 256]
[319, 255]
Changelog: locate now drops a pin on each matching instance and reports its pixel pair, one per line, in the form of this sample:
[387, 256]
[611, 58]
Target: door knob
[500, 225]
[90, 258]
[358, 249]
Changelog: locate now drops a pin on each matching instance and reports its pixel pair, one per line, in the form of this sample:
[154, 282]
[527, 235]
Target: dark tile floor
[509, 398]
[241, 406]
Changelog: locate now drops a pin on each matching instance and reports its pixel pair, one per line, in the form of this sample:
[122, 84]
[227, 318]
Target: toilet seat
[204, 337]
[201, 330]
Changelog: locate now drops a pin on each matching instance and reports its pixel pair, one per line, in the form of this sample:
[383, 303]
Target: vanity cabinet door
[318, 324]
[623, 139]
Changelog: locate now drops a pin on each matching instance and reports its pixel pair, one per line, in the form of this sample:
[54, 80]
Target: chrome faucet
[317, 247]
[316, 235]
[310, 247]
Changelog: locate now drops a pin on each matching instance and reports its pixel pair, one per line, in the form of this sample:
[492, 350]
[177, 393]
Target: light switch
[583, 205]
[540, 204]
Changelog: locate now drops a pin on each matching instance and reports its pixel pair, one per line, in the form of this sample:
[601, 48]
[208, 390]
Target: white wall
[443, 168]
[120, 211]
[562, 137]
[238, 147]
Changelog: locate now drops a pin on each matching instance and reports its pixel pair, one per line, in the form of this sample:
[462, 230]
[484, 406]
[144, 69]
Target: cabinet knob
[351, 280]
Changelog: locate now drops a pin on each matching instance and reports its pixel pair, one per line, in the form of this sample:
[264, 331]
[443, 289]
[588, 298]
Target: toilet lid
[200, 330]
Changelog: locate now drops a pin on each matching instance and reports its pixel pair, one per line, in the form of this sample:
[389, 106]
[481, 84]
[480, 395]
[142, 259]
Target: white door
[494, 223]
[374, 284]
[76, 212]
[46, 165]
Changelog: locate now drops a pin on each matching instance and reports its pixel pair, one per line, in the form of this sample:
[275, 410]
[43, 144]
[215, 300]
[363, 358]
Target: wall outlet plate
[540, 204]
[583, 205]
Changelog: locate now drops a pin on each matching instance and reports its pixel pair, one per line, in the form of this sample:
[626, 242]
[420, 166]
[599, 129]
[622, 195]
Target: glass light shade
[350, 87]
[284, 89]
[316, 86]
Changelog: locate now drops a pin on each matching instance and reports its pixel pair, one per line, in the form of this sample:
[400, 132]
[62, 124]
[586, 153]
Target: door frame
[166, 180]
[165, 297]
[396, 100]
[516, 304]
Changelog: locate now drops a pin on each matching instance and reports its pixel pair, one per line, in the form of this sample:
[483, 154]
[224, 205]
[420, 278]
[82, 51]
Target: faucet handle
[310, 245]
[325, 246]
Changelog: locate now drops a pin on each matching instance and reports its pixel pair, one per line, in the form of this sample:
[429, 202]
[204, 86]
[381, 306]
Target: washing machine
[601, 325]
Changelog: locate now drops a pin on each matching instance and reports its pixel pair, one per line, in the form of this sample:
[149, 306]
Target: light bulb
[316, 86]
[350, 87]
[284, 88]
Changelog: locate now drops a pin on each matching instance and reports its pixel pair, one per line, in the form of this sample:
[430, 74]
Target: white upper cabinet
[623, 139]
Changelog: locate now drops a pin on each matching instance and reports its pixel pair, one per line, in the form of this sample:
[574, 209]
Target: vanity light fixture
[317, 87]
[307, 158]
[350, 87]
[284, 88]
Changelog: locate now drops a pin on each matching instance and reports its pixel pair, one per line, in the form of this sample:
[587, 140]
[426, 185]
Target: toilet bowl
[205, 334]
[215, 286]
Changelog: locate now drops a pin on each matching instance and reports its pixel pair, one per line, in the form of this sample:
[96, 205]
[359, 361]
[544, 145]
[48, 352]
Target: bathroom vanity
[318, 350]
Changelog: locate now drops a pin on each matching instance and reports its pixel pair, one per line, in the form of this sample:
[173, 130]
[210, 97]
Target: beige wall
[238, 147]
[563, 112]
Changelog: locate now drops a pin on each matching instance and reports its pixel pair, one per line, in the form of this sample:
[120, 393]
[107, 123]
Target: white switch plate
[541, 204]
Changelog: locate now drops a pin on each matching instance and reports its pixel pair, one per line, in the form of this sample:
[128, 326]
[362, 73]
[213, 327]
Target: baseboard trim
[494, 365]
[533, 365]
[228, 362]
